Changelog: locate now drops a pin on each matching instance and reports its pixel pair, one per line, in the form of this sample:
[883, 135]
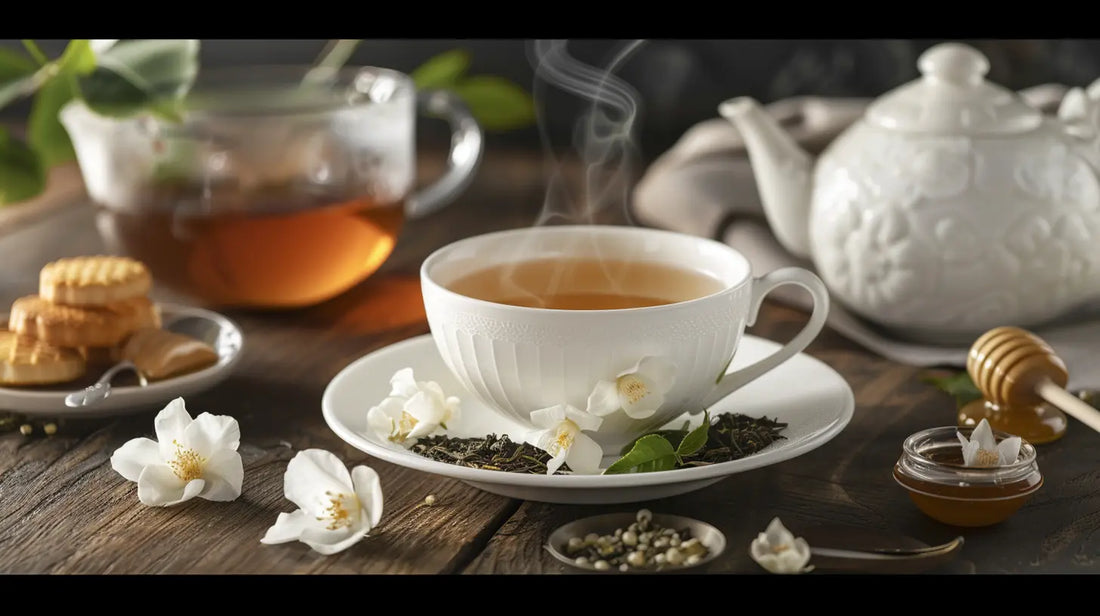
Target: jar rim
[916, 464]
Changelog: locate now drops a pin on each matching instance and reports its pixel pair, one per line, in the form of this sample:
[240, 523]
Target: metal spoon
[102, 388]
[192, 326]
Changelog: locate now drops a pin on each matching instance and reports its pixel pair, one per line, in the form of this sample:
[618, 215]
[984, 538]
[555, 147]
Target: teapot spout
[782, 170]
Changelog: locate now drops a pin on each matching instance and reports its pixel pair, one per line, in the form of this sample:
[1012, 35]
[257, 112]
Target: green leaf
[44, 130]
[78, 57]
[650, 453]
[22, 175]
[498, 104]
[14, 65]
[140, 75]
[695, 439]
[961, 386]
[672, 436]
[442, 71]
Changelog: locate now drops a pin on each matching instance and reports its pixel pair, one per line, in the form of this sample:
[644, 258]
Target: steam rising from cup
[604, 142]
[603, 135]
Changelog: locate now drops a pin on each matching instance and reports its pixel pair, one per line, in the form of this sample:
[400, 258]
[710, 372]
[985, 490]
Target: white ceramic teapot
[949, 208]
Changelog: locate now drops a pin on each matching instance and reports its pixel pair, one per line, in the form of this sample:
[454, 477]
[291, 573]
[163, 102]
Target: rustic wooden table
[64, 510]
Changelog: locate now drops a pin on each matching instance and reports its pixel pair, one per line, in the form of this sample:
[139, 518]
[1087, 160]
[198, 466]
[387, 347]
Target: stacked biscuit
[92, 311]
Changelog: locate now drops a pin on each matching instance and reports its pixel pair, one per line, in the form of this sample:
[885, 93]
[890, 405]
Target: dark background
[680, 82]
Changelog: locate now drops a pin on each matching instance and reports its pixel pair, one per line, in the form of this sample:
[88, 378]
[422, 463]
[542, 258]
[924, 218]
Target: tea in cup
[532, 318]
[273, 191]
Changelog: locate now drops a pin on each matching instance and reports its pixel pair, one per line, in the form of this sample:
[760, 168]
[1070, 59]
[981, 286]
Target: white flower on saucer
[336, 508]
[778, 551]
[189, 458]
[412, 410]
[561, 437]
[983, 450]
[639, 391]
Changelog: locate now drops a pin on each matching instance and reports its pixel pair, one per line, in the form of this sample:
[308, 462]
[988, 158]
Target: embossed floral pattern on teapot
[951, 207]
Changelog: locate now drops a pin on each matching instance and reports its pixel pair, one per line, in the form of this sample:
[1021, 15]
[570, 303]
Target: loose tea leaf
[733, 436]
[489, 453]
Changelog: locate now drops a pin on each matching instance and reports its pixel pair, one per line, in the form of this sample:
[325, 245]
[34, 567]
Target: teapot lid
[953, 97]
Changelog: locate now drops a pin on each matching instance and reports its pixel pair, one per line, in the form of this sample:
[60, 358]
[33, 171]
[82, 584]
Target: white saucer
[217, 331]
[809, 396]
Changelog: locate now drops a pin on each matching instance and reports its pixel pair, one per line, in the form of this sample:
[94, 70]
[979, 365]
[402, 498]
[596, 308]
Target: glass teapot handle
[463, 159]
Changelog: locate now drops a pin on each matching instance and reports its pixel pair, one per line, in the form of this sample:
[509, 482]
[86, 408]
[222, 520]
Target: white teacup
[520, 359]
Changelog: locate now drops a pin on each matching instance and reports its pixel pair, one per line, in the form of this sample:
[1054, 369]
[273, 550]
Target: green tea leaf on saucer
[650, 453]
[22, 175]
[442, 71]
[672, 436]
[142, 75]
[695, 439]
[44, 130]
[498, 104]
[961, 386]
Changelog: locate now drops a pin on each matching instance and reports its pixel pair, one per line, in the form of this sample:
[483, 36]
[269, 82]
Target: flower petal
[224, 474]
[584, 421]
[983, 434]
[970, 453]
[169, 424]
[158, 486]
[134, 455]
[776, 534]
[287, 527]
[403, 384]
[553, 464]
[659, 370]
[548, 417]
[1009, 450]
[382, 419]
[311, 473]
[210, 433]
[329, 541]
[604, 399]
[427, 411]
[369, 490]
[644, 398]
[585, 455]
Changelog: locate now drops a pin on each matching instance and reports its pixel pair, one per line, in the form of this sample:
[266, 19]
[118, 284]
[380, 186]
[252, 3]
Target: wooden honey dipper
[1015, 368]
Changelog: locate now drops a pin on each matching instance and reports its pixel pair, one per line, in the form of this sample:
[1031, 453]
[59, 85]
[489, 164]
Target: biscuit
[159, 354]
[26, 361]
[93, 281]
[99, 357]
[81, 326]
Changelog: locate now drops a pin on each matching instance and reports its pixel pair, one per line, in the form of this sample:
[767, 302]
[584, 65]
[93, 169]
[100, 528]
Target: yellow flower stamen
[632, 388]
[986, 457]
[779, 549]
[563, 438]
[187, 465]
[340, 511]
[400, 429]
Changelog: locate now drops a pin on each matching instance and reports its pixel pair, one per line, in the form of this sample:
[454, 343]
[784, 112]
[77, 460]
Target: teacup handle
[730, 383]
[462, 160]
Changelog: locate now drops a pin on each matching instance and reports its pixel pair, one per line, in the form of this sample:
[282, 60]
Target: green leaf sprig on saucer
[726, 437]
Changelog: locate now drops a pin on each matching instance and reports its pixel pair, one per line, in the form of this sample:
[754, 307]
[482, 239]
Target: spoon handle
[1050, 391]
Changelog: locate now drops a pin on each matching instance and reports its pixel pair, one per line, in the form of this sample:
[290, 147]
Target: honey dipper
[1014, 368]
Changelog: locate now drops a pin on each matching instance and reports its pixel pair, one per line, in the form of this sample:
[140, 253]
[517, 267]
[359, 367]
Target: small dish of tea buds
[641, 542]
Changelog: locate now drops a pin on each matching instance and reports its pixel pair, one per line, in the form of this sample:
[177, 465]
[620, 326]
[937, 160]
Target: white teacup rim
[440, 253]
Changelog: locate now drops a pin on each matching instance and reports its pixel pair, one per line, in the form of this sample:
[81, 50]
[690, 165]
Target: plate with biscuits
[92, 314]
